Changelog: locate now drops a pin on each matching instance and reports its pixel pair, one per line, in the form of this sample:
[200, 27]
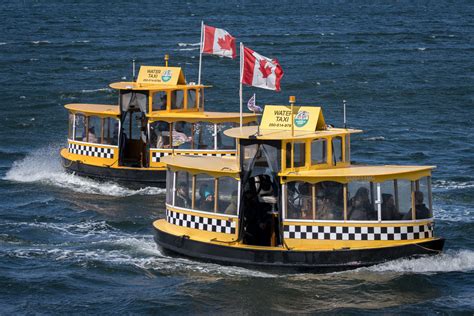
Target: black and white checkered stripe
[156, 155]
[92, 151]
[358, 233]
[200, 222]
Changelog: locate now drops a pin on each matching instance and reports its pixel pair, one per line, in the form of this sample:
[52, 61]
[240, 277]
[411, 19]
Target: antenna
[133, 69]
[166, 60]
[292, 102]
[345, 120]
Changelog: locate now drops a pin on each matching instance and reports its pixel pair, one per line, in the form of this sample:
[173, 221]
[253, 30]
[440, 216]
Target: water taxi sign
[160, 75]
[306, 118]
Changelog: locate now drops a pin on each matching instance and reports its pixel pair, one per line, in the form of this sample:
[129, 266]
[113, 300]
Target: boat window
[319, 201]
[182, 135]
[248, 154]
[94, 131]
[289, 151]
[318, 151]
[404, 188]
[347, 149]
[160, 134]
[422, 196]
[80, 133]
[360, 205]
[204, 193]
[300, 155]
[389, 201]
[183, 189]
[159, 101]
[203, 135]
[70, 133]
[132, 124]
[111, 131]
[177, 99]
[337, 149]
[227, 195]
[170, 186]
[329, 197]
[224, 141]
[300, 200]
[191, 99]
[134, 100]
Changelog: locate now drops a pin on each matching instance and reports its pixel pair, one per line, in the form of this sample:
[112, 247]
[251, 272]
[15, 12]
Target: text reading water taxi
[158, 115]
[292, 198]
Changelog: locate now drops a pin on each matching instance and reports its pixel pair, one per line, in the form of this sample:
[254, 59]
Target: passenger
[231, 209]
[206, 198]
[179, 135]
[304, 201]
[420, 208]
[91, 138]
[360, 206]
[182, 198]
[326, 208]
[389, 210]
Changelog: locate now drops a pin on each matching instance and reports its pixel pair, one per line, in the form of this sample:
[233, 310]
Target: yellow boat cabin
[158, 115]
[292, 198]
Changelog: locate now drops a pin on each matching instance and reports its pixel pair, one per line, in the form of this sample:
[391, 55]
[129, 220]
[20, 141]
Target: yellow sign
[160, 75]
[306, 118]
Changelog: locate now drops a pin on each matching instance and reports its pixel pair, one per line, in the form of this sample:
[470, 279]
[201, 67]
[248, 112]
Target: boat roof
[218, 166]
[198, 116]
[359, 173]
[130, 85]
[250, 132]
[96, 109]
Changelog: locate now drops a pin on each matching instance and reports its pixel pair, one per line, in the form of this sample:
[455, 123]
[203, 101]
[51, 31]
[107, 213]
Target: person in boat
[160, 134]
[420, 208]
[206, 200]
[301, 205]
[389, 210]
[231, 209]
[360, 206]
[251, 207]
[267, 204]
[182, 198]
[179, 135]
[327, 202]
[91, 135]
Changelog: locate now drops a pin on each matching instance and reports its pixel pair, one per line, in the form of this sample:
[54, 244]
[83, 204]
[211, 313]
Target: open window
[337, 149]
[80, 124]
[159, 101]
[160, 135]
[191, 101]
[227, 202]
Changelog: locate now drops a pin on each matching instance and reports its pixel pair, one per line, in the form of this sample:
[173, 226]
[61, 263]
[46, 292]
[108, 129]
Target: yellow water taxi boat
[157, 115]
[292, 198]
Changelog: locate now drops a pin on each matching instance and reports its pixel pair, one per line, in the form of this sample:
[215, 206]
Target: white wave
[188, 44]
[374, 138]
[83, 41]
[138, 252]
[44, 166]
[96, 90]
[452, 185]
[40, 42]
[188, 49]
[454, 214]
[422, 48]
[454, 261]
[3, 43]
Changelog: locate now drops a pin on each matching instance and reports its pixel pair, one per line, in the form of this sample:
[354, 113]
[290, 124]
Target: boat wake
[44, 166]
[451, 261]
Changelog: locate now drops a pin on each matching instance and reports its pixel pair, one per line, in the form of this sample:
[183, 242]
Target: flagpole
[200, 52]
[240, 90]
[258, 122]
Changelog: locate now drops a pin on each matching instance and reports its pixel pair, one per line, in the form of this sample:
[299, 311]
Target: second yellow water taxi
[158, 115]
[292, 198]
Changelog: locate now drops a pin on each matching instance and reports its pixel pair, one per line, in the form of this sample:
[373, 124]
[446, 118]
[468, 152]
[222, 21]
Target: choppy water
[72, 245]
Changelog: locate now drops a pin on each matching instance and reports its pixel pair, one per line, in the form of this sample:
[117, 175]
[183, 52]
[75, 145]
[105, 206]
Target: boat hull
[314, 261]
[130, 177]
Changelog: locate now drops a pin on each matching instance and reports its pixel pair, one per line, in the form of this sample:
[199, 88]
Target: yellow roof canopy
[216, 166]
[94, 109]
[199, 116]
[275, 134]
[359, 173]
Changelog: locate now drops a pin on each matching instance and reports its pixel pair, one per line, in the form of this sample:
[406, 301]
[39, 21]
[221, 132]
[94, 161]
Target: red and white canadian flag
[260, 71]
[217, 42]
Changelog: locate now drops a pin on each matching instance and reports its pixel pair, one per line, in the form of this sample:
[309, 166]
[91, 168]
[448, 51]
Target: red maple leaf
[225, 42]
[266, 71]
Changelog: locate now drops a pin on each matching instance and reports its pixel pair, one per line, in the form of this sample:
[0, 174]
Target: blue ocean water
[73, 245]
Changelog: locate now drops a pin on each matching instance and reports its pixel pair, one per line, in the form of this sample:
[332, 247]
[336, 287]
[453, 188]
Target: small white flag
[252, 106]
